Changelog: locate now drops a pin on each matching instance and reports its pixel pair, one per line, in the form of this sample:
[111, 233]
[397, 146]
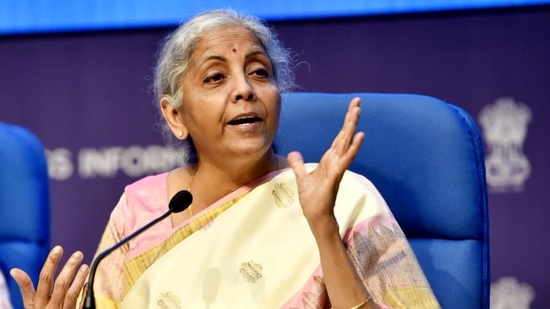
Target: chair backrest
[426, 158]
[24, 205]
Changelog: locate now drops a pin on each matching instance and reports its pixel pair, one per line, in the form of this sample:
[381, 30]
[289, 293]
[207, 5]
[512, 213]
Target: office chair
[426, 158]
[24, 205]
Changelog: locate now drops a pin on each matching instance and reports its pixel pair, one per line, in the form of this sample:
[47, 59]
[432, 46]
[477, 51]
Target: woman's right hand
[61, 293]
[317, 189]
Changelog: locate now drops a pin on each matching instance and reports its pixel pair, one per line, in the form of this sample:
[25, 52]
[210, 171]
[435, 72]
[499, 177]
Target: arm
[317, 192]
[344, 287]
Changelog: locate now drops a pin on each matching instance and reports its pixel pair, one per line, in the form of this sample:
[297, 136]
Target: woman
[263, 231]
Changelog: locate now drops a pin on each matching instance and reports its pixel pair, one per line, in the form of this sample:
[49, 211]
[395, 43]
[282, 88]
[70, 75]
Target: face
[231, 102]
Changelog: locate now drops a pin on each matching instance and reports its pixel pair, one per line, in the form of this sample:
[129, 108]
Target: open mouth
[244, 120]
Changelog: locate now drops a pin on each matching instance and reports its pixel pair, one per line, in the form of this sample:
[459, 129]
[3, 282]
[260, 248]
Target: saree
[254, 249]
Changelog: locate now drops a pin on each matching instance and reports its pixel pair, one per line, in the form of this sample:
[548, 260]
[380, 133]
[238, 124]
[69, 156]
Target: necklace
[193, 176]
[189, 189]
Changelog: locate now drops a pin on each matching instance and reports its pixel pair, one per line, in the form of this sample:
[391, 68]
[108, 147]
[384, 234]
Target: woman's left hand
[317, 190]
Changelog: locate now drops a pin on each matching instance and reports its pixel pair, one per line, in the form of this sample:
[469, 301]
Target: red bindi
[234, 50]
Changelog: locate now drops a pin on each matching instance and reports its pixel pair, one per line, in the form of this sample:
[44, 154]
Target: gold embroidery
[139, 264]
[169, 301]
[284, 197]
[252, 272]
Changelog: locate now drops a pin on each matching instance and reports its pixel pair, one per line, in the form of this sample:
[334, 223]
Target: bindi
[234, 50]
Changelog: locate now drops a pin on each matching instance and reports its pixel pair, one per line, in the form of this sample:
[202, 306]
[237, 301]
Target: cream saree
[254, 249]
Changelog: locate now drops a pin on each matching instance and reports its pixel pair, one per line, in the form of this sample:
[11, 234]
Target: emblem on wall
[504, 126]
[508, 293]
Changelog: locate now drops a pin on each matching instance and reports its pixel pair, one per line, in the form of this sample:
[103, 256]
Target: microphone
[178, 203]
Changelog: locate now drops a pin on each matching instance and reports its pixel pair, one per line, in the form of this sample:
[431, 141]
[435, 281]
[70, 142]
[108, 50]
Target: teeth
[244, 120]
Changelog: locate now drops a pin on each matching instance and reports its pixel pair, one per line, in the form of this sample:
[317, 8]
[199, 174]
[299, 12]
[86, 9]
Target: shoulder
[146, 196]
[355, 183]
[355, 186]
[351, 181]
[148, 182]
[141, 201]
[359, 180]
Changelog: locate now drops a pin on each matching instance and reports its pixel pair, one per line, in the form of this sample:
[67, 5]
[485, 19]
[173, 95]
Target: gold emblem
[251, 272]
[284, 197]
[169, 301]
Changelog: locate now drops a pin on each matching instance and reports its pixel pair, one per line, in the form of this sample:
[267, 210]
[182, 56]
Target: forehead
[219, 39]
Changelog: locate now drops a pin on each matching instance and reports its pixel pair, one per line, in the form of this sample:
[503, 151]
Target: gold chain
[189, 189]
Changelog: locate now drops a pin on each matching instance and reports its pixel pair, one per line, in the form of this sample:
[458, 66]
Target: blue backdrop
[86, 96]
[29, 16]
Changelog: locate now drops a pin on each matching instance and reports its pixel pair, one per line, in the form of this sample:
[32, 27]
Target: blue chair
[24, 205]
[426, 158]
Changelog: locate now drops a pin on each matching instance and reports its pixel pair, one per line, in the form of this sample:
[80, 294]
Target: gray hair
[175, 57]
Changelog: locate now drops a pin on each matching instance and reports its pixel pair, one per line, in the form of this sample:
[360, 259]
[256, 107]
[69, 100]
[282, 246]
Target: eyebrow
[251, 54]
[215, 57]
[254, 53]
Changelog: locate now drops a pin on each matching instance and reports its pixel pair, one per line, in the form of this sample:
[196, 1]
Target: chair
[24, 205]
[426, 158]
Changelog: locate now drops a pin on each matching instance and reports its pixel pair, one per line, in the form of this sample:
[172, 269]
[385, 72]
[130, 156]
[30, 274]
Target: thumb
[26, 287]
[296, 162]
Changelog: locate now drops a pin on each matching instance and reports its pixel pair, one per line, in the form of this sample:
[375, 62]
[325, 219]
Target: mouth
[245, 120]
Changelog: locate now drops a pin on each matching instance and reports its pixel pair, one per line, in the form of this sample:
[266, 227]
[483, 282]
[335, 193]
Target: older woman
[258, 234]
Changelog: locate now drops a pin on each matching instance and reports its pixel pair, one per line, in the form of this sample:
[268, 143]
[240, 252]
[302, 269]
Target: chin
[252, 148]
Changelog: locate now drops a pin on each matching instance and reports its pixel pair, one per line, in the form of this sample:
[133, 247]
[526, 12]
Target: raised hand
[317, 190]
[61, 293]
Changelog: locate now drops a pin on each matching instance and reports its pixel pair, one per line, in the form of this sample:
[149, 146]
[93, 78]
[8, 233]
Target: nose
[242, 89]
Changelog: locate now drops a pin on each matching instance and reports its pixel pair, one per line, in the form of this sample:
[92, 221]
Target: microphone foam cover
[181, 201]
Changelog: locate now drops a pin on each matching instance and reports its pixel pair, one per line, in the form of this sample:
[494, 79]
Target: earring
[180, 134]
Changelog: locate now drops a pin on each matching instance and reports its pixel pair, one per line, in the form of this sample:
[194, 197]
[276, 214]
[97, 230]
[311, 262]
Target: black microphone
[178, 203]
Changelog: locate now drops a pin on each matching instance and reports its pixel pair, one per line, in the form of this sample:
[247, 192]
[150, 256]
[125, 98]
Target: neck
[214, 180]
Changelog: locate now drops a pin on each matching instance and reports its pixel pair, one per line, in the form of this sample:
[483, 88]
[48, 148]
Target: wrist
[325, 228]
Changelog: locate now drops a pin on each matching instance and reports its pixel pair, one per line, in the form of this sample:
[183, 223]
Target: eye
[261, 72]
[214, 78]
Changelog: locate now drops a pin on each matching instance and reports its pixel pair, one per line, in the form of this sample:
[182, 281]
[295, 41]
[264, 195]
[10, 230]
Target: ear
[173, 118]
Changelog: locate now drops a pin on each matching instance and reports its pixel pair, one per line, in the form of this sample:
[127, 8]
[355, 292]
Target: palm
[317, 189]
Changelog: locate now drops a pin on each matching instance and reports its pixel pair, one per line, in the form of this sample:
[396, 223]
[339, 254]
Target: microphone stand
[178, 203]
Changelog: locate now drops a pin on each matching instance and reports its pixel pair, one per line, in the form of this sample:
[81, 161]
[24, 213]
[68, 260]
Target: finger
[296, 162]
[352, 117]
[45, 280]
[354, 103]
[343, 139]
[76, 287]
[354, 147]
[65, 278]
[345, 160]
[26, 287]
